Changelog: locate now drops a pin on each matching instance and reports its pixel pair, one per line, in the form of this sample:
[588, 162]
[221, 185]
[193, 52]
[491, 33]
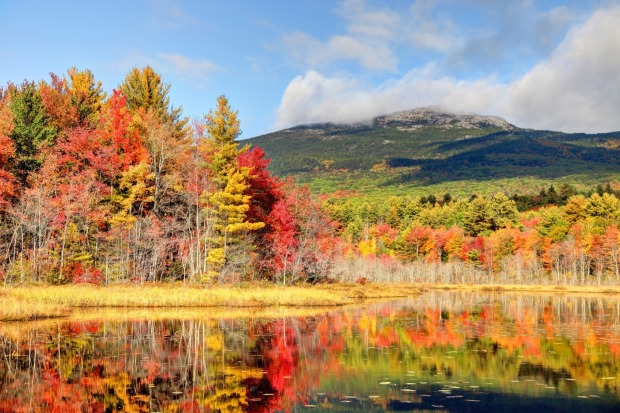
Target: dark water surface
[443, 351]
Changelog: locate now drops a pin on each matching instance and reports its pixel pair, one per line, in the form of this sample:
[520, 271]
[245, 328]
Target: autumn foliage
[97, 188]
[122, 188]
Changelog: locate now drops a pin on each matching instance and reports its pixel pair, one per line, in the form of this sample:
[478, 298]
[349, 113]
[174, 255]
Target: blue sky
[541, 64]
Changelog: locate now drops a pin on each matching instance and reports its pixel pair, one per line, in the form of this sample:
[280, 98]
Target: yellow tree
[227, 204]
[86, 95]
[145, 90]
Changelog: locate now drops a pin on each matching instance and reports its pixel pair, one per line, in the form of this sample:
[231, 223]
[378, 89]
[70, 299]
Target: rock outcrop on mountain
[431, 116]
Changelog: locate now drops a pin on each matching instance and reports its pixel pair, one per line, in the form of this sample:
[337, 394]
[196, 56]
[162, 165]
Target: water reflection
[443, 351]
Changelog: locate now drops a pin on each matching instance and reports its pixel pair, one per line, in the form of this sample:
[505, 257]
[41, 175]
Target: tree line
[123, 188]
[577, 241]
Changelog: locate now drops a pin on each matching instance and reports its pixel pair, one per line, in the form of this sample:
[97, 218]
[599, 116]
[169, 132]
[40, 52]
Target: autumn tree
[31, 128]
[145, 90]
[61, 114]
[7, 151]
[267, 205]
[229, 202]
[86, 95]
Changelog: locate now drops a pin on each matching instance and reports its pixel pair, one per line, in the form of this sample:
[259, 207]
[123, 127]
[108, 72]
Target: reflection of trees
[268, 365]
[126, 366]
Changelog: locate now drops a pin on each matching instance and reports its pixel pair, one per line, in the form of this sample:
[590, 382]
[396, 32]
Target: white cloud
[368, 40]
[576, 88]
[168, 14]
[196, 72]
[193, 70]
[315, 98]
[424, 31]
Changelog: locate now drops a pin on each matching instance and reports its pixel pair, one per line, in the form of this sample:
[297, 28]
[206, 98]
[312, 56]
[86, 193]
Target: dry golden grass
[15, 309]
[37, 302]
[33, 302]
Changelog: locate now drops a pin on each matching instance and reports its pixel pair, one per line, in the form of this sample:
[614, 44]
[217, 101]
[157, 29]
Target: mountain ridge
[423, 149]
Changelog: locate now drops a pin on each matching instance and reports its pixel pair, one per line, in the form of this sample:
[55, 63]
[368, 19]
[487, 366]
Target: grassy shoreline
[23, 303]
[37, 302]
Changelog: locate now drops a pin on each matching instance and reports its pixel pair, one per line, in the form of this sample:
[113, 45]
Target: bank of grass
[36, 302]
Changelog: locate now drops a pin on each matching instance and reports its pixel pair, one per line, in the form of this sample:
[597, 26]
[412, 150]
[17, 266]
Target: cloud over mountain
[576, 87]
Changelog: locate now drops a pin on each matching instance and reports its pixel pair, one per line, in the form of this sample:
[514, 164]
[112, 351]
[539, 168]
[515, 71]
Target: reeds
[34, 302]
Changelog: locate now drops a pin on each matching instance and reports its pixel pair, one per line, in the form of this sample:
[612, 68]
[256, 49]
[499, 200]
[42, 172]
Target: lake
[440, 352]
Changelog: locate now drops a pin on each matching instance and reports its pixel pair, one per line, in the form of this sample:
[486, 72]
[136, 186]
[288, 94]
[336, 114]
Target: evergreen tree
[32, 128]
[229, 203]
[144, 89]
[87, 96]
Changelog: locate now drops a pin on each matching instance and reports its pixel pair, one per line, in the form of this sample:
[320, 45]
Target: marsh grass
[35, 302]
[180, 300]
[15, 309]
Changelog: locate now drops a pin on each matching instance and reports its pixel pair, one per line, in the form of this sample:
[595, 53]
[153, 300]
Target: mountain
[430, 150]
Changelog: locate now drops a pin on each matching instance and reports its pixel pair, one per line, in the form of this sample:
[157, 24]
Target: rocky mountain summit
[432, 116]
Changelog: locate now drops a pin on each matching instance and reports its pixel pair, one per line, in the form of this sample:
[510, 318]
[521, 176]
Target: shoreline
[36, 302]
[525, 288]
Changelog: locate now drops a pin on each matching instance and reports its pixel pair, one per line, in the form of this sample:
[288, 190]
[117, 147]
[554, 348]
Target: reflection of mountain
[458, 350]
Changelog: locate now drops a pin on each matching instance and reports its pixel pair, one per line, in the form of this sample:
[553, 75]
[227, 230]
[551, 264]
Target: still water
[442, 351]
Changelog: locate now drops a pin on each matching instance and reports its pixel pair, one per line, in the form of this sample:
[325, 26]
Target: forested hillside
[428, 151]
